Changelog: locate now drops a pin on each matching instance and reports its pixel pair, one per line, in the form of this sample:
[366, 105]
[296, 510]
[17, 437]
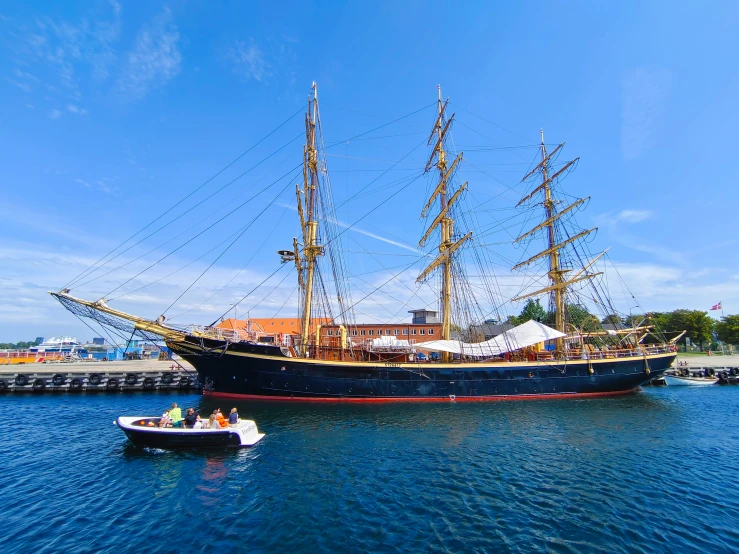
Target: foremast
[447, 245]
[306, 264]
[557, 282]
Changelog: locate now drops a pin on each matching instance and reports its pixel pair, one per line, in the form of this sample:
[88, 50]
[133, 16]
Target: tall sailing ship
[330, 361]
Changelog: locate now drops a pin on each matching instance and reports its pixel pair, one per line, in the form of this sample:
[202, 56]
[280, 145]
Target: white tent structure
[529, 333]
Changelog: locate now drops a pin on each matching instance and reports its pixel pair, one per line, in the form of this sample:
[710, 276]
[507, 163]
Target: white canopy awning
[530, 333]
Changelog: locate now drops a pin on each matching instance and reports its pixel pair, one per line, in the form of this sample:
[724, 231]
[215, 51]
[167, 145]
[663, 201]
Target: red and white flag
[716, 306]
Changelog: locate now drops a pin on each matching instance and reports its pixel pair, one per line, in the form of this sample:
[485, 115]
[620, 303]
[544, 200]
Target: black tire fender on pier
[734, 371]
[724, 376]
[148, 383]
[75, 384]
[112, 383]
[39, 384]
[58, 379]
[21, 380]
[95, 379]
[185, 382]
[3, 385]
[167, 378]
[131, 379]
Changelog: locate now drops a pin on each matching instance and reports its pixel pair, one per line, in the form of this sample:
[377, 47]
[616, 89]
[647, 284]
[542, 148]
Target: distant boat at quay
[53, 349]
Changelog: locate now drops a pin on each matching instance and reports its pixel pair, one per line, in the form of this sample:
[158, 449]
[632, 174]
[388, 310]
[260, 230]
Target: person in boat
[233, 418]
[165, 420]
[212, 422]
[191, 417]
[220, 418]
[176, 415]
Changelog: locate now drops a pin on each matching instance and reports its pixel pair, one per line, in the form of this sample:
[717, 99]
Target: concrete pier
[134, 375]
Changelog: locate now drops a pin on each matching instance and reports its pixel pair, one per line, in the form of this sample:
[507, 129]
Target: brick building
[425, 326]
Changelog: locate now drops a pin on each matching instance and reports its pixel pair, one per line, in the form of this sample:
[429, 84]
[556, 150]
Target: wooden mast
[558, 284]
[555, 274]
[311, 250]
[446, 246]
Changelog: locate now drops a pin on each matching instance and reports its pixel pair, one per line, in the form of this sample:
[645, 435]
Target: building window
[431, 331]
[330, 333]
[405, 331]
[422, 331]
[371, 331]
[362, 332]
[388, 332]
[354, 332]
[413, 331]
[379, 332]
[397, 331]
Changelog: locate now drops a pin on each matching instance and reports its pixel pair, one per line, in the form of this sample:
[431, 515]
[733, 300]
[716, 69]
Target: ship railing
[597, 354]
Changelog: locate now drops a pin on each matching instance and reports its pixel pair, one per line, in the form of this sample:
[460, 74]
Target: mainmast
[558, 283]
[308, 223]
[555, 274]
[446, 246]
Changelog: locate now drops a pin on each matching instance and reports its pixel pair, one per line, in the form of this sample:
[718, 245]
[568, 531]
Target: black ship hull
[250, 370]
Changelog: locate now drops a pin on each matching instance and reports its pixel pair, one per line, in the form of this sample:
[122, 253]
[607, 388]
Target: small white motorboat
[679, 380]
[145, 431]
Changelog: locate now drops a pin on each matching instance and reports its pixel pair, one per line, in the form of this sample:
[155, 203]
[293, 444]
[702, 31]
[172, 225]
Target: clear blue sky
[111, 112]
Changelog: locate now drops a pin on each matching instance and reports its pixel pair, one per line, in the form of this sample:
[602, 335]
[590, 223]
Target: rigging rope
[260, 141]
[206, 229]
[246, 228]
[178, 217]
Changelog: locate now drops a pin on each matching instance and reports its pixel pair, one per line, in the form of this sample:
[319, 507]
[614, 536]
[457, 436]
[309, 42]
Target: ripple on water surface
[653, 471]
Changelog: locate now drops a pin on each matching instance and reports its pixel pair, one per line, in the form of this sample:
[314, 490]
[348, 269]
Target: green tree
[579, 315]
[728, 329]
[696, 322]
[532, 310]
[612, 319]
[512, 319]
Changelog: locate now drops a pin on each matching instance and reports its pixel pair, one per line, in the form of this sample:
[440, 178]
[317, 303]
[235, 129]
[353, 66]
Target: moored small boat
[144, 431]
[675, 380]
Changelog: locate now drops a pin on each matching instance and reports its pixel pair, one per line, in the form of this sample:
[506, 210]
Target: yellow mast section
[446, 224]
[311, 250]
[558, 284]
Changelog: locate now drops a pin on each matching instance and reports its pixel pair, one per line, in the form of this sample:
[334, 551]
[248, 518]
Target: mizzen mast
[307, 210]
[556, 274]
[443, 220]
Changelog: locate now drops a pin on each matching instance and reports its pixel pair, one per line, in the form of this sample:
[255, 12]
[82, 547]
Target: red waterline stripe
[370, 400]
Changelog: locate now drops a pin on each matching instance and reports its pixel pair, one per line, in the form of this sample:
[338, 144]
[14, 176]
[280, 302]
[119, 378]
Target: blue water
[655, 471]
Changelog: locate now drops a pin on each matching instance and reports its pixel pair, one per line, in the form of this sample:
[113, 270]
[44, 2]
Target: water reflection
[542, 475]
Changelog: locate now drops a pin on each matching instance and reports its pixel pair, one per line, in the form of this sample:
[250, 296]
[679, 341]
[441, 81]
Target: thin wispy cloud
[360, 231]
[103, 185]
[624, 216]
[270, 60]
[249, 61]
[617, 227]
[644, 93]
[56, 55]
[155, 59]
[55, 114]
[76, 110]
[375, 236]
[23, 86]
